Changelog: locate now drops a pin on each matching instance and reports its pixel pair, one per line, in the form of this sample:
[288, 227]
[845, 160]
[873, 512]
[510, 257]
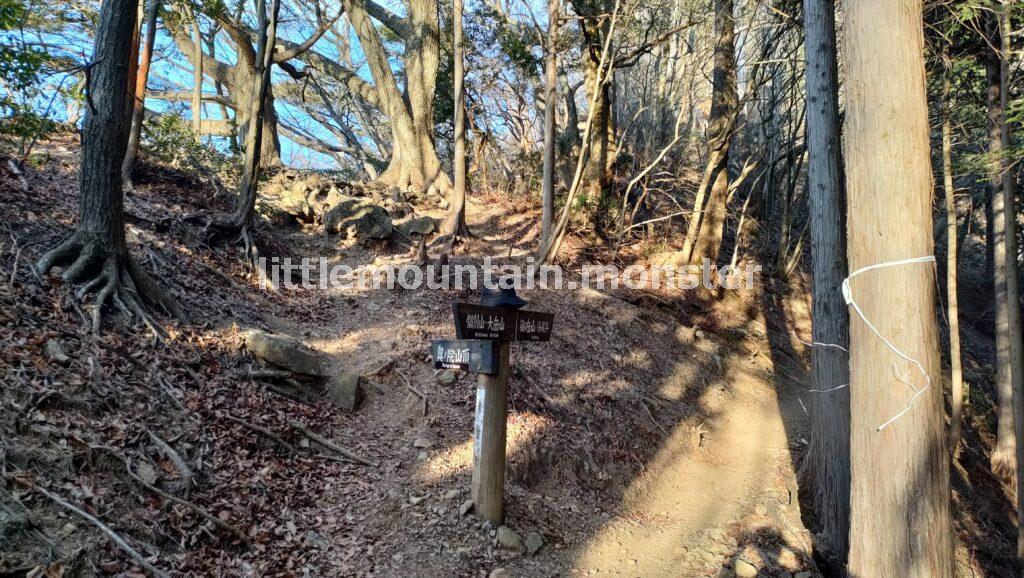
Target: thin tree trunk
[550, 89]
[956, 371]
[724, 102]
[197, 75]
[245, 204]
[899, 500]
[599, 87]
[549, 250]
[139, 100]
[828, 453]
[1012, 270]
[1008, 368]
[455, 223]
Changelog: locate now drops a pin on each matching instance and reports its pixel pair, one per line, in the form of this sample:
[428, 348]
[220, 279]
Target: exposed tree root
[113, 277]
[231, 230]
[454, 225]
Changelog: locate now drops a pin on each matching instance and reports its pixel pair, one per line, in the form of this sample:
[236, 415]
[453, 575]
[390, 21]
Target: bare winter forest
[511, 288]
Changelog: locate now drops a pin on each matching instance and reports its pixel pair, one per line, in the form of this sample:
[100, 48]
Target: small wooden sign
[481, 322]
[476, 355]
[533, 325]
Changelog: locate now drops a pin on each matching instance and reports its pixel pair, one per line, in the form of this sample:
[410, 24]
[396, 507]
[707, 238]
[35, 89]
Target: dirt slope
[633, 449]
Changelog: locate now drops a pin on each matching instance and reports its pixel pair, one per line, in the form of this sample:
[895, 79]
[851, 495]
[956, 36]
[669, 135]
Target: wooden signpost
[484, 334]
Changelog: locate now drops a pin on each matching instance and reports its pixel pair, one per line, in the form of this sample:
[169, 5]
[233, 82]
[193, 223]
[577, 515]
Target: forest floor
[635, 447]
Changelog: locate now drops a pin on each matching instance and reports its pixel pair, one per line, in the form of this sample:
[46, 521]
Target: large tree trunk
[828, 454]
[956, 371]
[1008, 363]
[724, 104]
[242, 90]
[105, 131]
[899, 502]
[139, 100]
[96, 253]
[414, 162]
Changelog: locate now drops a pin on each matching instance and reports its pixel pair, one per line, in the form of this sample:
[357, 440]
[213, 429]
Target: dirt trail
[677, 517]
[715, 485]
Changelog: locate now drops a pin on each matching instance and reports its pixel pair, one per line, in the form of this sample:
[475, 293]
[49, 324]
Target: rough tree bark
[241, 221]
[550, 89]
[956, 370]
[827, 465]
[414, 162]
[96, 254]
[197, 73]
[455, 223]
[1012, 274]
[1008, 362]
[597, 172]
[724, 104]
[899, 500]
[139, 101]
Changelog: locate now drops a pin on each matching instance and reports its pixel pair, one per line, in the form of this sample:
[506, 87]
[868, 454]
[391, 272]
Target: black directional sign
[533, 325]
[481, 322]
[476, 355]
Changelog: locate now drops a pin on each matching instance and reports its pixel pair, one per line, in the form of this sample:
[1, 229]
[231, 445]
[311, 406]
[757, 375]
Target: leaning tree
[96, 254]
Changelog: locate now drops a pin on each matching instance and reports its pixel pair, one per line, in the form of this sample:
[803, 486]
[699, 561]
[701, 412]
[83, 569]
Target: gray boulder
[359, 219]
[283, 351]
[534, 542]
[289, 199]
[344, 390]
[509, 540]
[418, 226]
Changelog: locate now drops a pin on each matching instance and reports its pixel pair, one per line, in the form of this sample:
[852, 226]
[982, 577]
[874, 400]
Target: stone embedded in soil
[744, 569]
[316, 540]
[283, 351]
[465, 507]
[422, 443]
[498, 573]
[358, 219]
[686, 334]
[344, 390]
[452, 494]
[55, 353]
[534, 542]
[508, 539]
[418, 226]
[414, 500]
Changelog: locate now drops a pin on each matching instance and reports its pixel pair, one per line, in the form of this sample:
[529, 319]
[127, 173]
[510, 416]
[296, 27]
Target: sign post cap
[503, 297]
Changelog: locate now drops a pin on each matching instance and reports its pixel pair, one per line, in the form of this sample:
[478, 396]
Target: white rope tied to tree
[820, 344]
[848, 297]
